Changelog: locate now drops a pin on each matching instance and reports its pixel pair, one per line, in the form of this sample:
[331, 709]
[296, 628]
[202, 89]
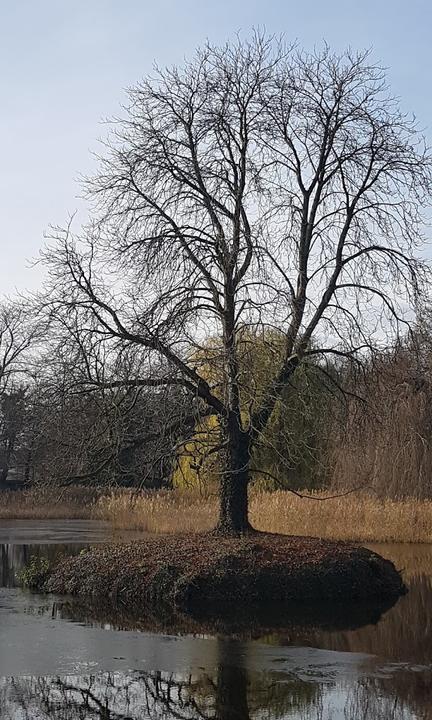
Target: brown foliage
[386, 443]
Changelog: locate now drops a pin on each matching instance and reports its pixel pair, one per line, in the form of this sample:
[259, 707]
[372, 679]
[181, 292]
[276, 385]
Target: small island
[227, 322]
[194, 574]
[216, 371]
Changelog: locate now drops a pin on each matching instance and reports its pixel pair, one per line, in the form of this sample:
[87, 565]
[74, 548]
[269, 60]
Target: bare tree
[17, 336]
[87, 428]
[261, 190]
[15, 339]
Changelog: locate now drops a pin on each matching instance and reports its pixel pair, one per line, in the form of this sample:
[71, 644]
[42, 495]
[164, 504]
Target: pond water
[60, 661]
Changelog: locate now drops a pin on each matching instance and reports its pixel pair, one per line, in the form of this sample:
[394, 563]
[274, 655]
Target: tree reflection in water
[232, 693]
[14, 557]
[402, 690]
[409, 698]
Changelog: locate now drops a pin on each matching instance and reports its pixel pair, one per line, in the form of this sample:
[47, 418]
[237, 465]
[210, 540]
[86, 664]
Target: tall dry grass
[45, 502]
[354, 517]
[359, 517]
[158, 512]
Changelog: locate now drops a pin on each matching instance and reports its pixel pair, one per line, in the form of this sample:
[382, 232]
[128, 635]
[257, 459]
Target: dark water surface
[59, 661]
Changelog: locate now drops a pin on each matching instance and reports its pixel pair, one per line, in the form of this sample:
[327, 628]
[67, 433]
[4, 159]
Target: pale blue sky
[64, 64]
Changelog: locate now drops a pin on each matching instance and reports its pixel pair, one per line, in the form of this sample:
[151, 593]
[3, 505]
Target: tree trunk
[231, 693]
[233, 508]
[4, 472]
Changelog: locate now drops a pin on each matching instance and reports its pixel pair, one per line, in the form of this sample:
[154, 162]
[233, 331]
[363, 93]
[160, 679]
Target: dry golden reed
[158, 512]
[44, 503]
[358, 517]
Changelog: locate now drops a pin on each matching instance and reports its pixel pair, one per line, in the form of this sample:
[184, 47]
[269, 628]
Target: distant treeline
[344, 426]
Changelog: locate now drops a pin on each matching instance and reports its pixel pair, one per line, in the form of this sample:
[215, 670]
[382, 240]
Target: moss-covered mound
[193, 573]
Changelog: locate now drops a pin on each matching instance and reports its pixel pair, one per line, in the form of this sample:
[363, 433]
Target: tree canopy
[259, 188]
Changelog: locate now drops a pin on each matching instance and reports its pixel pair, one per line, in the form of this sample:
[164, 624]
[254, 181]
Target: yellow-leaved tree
[292, 452]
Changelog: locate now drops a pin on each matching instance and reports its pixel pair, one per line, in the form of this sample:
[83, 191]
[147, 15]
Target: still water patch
[57, 661]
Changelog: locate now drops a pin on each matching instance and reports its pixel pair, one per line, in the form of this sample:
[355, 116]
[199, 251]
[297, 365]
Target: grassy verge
[355, 517]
